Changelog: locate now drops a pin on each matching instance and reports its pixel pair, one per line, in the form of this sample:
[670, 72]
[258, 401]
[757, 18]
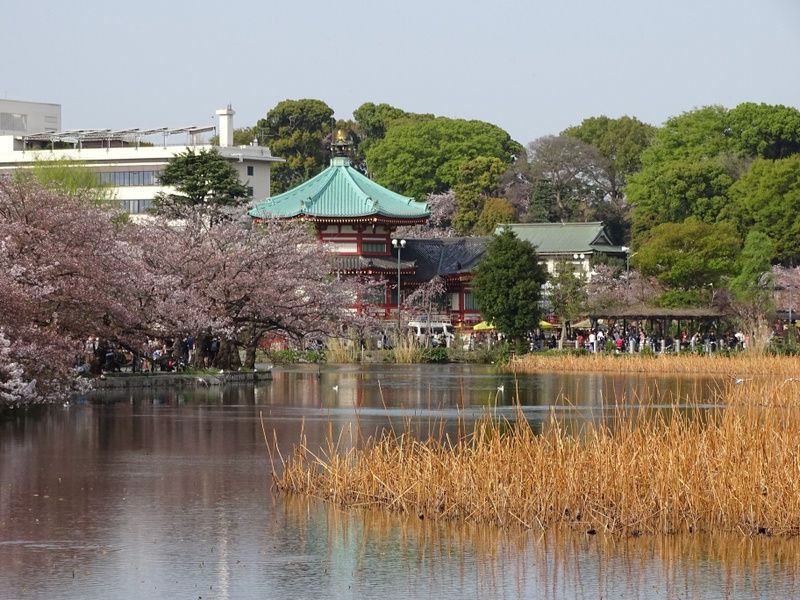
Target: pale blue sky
[532, 67]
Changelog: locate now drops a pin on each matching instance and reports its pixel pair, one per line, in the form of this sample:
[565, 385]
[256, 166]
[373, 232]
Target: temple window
[469, 301]
[373, 248]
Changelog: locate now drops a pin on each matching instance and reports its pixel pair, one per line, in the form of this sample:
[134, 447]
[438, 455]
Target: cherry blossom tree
[611, 287]
[70, 270]
[15, 389]
[59, 281]
[440, 224]
[240, 281]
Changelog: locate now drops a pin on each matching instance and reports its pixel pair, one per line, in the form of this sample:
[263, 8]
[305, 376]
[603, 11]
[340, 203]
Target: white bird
[65, 405]
[335, 388]
[501, 388]
[202, 381]
[739, 380]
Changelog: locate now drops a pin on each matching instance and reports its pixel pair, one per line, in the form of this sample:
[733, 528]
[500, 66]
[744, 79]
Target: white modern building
[123, 160]
[24, 118]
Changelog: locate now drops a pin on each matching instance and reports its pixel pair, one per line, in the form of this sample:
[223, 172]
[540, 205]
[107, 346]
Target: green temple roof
[564, 238]
[340, 193]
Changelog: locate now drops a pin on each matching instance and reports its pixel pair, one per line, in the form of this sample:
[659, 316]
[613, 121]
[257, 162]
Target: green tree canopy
[767, 198]
[754, 260]
[295, 130]
[713, 147]
[508, 285]
[477, 180]
[495, 211]
[242, 136]
[677, 190]
[373, 120]
[765, 130]
[71, 178]
[688, 257]
[204, 181]
[696, 135]
[417, 157]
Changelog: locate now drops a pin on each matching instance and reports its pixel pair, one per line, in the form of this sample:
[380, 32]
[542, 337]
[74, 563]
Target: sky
[531, 67]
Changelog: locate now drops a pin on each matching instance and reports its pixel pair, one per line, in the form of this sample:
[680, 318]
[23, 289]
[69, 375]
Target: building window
[250, 170]
[469, 301]
[250, 191]
[128, 178]
[373, 248]
[136, 207]
[13, 122]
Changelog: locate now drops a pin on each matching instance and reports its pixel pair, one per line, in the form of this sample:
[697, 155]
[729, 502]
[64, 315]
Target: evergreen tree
[204, 181]
[508, 285]
[296, 131]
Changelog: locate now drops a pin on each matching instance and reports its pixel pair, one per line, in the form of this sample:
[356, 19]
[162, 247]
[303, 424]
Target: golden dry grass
[732, 469]
[739, 365]
[407, 350]
[341, 350]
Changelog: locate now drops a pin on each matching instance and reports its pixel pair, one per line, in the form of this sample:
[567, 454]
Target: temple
[358, 218]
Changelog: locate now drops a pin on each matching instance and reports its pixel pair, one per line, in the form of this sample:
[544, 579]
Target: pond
[167, 494]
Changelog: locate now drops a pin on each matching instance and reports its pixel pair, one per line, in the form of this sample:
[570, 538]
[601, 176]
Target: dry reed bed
[735, 469]
[735, 366]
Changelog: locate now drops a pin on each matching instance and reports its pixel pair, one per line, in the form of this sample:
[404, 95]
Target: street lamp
[626, 250]
[399, 244]
[580, 257]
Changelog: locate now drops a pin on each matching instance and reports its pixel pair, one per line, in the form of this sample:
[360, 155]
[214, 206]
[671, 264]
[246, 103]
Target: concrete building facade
[131, 168]
[22, 118]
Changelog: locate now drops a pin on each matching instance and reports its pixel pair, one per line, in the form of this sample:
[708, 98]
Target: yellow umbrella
[483, 326]
[545, 325]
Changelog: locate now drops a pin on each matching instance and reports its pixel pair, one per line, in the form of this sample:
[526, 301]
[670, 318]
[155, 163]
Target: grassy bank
[733, 469]
[734, 366]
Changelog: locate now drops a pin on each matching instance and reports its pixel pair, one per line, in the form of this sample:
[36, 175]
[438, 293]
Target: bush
[434, 355]
[784, 345]
[283, 357]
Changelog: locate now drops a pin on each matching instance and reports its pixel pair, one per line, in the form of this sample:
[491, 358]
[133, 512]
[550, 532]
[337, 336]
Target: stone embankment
[147, 380]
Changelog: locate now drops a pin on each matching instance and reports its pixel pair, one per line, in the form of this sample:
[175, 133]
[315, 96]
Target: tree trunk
[200, 355]
[250, 347]
[227, 357]
[563, 334]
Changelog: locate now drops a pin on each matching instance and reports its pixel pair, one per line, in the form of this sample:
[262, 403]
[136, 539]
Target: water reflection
[368, 549]
[166, 494]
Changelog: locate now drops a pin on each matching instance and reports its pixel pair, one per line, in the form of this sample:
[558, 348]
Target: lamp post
[627, 251]
[579, 257]
[399, 244]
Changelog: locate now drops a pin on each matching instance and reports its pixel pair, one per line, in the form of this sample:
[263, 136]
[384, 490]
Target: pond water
[167, 494]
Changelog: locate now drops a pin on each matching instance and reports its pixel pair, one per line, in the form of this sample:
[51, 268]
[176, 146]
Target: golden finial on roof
[341, 136]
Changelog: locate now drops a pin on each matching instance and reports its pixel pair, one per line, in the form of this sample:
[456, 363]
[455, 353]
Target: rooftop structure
[21, 118]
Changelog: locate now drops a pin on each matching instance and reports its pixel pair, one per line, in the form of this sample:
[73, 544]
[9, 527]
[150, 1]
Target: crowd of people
[154, 355]
[637, 339]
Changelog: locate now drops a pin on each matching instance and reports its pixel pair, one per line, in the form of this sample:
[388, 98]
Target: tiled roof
[555, 238]
[341, 191]
[366, 263]
[444, 256]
